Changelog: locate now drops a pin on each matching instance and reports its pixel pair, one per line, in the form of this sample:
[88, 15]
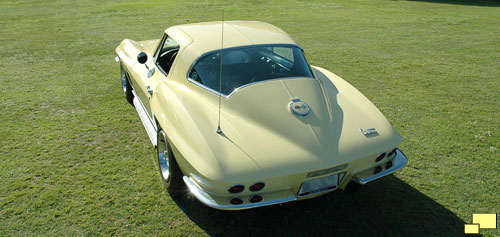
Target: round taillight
[237, 188]
[377, 170]
[236, 201]
[392, 152]
[380, 157]
[257, 186]
[388, 165]
[256, 198]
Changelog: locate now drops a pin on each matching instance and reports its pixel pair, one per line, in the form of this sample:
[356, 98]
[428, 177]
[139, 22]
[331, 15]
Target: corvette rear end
[343, 138]
[252, 123]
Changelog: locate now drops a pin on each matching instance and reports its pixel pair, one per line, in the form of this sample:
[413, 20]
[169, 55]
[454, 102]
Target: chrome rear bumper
[206, 199]
[399, 160]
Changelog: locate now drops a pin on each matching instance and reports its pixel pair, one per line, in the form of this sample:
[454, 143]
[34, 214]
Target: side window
[166, 54]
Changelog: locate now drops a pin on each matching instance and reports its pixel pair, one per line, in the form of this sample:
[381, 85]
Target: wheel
[127, 88]
[170, 173]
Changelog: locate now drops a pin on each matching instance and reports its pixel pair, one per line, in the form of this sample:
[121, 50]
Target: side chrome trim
[208, 88]
[205, 198]
[145, 119]
[400, 161]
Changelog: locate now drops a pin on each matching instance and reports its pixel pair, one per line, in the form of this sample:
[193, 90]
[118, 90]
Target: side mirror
[142, 58]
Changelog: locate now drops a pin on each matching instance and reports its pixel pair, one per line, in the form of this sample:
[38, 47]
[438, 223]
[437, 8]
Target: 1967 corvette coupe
[240, 118]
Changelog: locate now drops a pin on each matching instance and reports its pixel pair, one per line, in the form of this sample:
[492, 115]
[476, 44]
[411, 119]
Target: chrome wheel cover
[163, 155]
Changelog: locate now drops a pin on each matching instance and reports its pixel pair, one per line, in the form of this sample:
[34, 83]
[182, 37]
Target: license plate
[319, 185]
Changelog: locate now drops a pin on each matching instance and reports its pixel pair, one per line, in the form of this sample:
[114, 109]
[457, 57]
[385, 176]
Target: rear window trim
[242, 86]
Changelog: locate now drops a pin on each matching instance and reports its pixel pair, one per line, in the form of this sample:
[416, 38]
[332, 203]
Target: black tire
[169, 170]
[126, 87]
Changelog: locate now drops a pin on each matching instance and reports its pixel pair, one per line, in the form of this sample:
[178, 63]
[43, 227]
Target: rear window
[242, 66]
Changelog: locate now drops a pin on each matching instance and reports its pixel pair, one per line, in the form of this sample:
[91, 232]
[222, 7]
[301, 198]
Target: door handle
[149, 90]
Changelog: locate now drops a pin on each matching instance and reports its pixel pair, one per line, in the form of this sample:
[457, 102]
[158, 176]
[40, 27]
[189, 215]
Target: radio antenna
[219, 131]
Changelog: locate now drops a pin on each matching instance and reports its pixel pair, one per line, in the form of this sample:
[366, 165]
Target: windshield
[241, 66]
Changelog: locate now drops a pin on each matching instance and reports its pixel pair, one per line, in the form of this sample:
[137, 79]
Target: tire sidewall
[174, 183]
[166, 182]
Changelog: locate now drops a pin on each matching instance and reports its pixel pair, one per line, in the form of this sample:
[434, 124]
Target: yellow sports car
[239, 117]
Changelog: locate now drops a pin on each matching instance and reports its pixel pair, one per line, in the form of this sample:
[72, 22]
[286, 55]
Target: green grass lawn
[75, 159]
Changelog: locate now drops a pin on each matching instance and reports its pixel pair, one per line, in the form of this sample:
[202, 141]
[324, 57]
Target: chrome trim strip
[400, 161]
[159, 46]
[208, 89]
[205, 198]
[145, 119]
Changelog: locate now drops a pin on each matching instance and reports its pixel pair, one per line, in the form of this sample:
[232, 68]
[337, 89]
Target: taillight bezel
[239, 188]
[252, 189]
[381, 157]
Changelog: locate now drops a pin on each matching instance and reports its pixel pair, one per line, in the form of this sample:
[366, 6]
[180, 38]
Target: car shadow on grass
[386, 207]
[484, 3]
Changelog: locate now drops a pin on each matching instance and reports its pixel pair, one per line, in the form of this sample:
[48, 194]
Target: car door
[155, 69]
[145, 76]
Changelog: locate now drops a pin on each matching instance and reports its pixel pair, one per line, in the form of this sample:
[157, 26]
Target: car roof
[206, 36]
